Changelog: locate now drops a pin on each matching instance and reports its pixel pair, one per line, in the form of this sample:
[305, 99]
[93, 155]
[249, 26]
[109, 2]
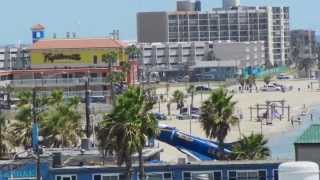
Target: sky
[99, 17]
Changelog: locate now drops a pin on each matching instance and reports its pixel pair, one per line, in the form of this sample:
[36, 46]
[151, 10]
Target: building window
[66, 177]
[215, 175]
[23, 178]
[107, 177]
[244, 175]
[159, 176]
[275, 174]
[95, 59]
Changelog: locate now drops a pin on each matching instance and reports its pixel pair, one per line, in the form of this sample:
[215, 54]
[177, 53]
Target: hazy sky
[100, 17]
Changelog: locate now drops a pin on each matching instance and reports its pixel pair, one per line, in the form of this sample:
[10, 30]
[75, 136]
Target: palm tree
[110, 58]
[125, 129]
[217, 116]
[267, 79]
[253, 147]
[305, 64]
[133, 52]
[4, 139]
[178, 97]
[61, 123]
[22, 126]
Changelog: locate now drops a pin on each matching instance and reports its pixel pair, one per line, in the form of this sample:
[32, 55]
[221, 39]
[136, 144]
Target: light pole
[35, 133]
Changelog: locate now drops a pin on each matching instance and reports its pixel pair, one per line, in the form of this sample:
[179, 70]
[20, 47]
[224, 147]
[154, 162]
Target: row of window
[207, 175]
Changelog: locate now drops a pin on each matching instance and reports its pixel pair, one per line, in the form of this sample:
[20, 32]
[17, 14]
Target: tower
[37, 32]
[227, 4]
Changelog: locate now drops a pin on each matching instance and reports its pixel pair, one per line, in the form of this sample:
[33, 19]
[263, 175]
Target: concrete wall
[152, 27]
[307, 152]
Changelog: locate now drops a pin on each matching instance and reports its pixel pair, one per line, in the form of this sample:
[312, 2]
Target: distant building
[204, 60]
[236, 23]
[303, 43]
[227, 4]
[307, 146]
[14, 57]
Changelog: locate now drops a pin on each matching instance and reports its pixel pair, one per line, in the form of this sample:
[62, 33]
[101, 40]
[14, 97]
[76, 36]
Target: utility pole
[87, 100]
[35, 133]
[111, 83]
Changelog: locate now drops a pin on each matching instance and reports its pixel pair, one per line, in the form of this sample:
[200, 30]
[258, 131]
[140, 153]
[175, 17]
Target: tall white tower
[227, 4]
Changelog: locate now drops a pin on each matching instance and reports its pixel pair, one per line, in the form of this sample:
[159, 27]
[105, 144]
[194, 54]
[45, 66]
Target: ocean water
[282, 146]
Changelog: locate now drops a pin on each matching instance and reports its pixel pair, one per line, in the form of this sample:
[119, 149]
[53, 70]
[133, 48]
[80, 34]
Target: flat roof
[77, 43]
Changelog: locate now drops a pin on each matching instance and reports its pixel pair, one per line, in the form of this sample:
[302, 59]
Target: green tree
[253, 147]
[111, 58]
[61, 123]
[217, 117]
[133, 52]
[4, 137]
[267, 79]
[124, 131]
[178, 98]
[305, 64]
[22, 126]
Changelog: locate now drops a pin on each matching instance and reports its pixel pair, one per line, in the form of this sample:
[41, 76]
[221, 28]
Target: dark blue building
[213, 170]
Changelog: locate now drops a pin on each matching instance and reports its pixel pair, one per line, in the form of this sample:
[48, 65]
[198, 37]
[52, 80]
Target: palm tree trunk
[141, 167]
[1, 141]
[128, 169]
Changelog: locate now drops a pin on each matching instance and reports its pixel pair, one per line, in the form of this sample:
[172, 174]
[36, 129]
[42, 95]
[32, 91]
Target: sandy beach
[296, 99]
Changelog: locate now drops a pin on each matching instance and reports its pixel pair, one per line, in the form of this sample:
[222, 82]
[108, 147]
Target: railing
[77, 93]
[56, 82]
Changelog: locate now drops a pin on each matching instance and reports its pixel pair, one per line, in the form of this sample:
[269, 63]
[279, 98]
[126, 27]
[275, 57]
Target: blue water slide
[200, 149]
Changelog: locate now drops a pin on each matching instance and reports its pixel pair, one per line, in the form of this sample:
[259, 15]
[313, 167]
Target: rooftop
[37, 27]
[78, 43]
[310, 136]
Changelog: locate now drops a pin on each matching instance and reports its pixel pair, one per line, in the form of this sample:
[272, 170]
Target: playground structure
[197, 148]
[272, 111]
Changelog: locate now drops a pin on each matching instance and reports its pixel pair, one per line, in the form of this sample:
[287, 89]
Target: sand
[295, 99]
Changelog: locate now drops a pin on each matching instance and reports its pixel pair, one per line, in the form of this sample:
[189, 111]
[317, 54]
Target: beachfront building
[202, 60]
[155, 170]
[239, 24]
[68, 64]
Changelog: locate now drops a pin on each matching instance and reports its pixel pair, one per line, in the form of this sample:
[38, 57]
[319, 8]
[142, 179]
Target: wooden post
[282, 104]
[268, 111]
[288, 113]
[258, 110]
[250, 113]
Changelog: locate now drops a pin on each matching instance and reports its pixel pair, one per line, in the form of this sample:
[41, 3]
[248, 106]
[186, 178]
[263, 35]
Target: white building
[219, 60]
[14, 57]
[236, 23]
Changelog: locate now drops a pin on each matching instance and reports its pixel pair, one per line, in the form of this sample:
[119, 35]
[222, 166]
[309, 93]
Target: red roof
[78, 43]
[37, 27]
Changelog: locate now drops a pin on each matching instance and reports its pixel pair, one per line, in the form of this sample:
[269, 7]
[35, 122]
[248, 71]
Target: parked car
[184, 114]
[160, 116]
[283, 76]
[271, 88]
[203, 88]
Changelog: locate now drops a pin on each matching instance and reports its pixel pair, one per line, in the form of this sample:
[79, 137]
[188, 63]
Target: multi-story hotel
[208, 60]
[233, 22]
